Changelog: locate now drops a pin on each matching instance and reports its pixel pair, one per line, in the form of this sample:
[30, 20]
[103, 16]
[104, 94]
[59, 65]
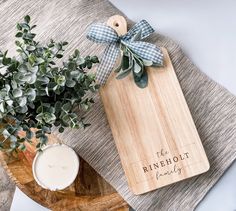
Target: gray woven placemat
[7, 189]
[213, 108]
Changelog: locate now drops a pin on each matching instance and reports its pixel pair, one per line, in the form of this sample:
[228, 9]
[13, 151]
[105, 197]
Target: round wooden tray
[89, 191]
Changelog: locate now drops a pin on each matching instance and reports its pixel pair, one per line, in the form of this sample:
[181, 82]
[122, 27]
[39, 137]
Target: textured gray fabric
[7, 189]
[213, 108]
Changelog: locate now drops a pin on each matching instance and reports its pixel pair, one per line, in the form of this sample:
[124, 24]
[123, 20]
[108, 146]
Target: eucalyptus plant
[35, 92]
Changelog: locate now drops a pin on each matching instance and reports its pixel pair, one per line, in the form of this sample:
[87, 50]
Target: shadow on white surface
[223, 196]
[21, 202]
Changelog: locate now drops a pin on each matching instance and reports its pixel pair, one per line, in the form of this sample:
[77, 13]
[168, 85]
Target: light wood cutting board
[152, 127]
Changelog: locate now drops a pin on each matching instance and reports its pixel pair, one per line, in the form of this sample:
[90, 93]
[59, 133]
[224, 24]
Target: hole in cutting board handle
[116, 24]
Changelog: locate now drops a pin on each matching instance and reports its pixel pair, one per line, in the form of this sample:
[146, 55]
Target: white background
[206, 30]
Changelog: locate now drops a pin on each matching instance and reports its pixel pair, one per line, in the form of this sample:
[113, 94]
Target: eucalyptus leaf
[80, 61]
[67, 107]
[43, 79]
[22, 109]
[43, 139]
[59, 56]
[122, 74]
[32, 79]
[46, 117]
[58, 107]
[31, 94]
[125, 62]
[75, 73]
[157, 64]
[19, 34]
[142, 81]
[22, 101]
[64, 43]
[7, 87]
[13, 84]
[137, 68]
[29, 134]
[70, 83]
[34, 69]
[61, 80]
[61, 129]
[30, 48]
[147, 63]
[27, 18]
[6, 134]
[18, 26]
[76, 53]
[13, 138]
[72, 66]
[94, 59]
[9, 102]
[40, 60]
[17, 93]
[22, 147]
[2, 108]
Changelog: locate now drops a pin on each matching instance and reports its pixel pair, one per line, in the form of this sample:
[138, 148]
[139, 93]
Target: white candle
[56, 167]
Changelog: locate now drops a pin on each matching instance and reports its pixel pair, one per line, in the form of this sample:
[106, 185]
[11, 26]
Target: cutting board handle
[118, 23]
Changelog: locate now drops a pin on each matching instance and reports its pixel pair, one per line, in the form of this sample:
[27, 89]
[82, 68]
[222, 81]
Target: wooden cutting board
[152, 127]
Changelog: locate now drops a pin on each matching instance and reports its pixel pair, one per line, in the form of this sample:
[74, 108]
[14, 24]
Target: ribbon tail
[108, 61]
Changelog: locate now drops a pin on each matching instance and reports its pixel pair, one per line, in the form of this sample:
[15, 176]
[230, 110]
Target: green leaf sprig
[36, 93]
[132, 63]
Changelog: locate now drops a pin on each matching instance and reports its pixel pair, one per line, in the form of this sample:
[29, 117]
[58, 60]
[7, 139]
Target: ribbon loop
[142, 27]
[101, 33]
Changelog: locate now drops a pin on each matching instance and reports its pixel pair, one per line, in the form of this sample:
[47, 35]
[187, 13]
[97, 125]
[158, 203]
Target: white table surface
[206, 30]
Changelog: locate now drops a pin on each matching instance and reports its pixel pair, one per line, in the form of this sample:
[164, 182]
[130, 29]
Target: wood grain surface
[153, 129]
[89, 191]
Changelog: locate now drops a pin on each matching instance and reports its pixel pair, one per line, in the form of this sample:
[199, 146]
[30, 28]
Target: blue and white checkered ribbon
[101, 33]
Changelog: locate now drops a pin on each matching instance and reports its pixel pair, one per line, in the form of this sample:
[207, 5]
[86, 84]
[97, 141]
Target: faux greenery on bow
[135, 53]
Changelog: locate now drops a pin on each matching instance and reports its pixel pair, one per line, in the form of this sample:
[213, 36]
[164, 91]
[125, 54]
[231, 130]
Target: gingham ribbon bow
[101, 33]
